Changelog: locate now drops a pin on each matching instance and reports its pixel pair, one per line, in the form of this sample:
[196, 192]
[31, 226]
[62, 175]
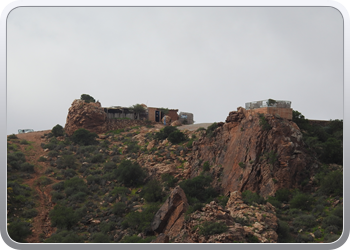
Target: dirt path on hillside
[41, 223]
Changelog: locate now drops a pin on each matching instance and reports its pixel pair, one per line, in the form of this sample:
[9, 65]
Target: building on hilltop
[151, 113]
[273, 107]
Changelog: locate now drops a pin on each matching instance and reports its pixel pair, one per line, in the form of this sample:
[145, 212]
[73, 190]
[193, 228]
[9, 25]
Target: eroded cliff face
[246, 156]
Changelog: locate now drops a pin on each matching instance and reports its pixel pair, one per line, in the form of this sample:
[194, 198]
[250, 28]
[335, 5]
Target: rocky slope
[245, 155]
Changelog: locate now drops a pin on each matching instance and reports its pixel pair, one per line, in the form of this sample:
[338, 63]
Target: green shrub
[222, 200]
[304, 221]
[282, 195]
[27, 167]
[136, 239]
[165, 132]
[42, 159]
[120, 191]
[44, 181]
[97, 158]
[332, 183]
[177, 137]
[56, 196]
[250, 197]
[328, 238]
[129, 173]
[30, 213]
[15, 159]
[119, 208]
[252, 238]
[19, 230]
[200, 129]
[58, 186]
[206, 166]
[302, 201]
[283, 232]
[152, 191]
[274, 202]
[66, 161]
[74, 185]
[63, 217]
[64, 236]
[87, 98]
[24, 142]
[141, 221]
[199, 188]
[264, 123]
[84, 137]
[332, 220]
[242, 165]
[107, 227]
[13, 136]
[169, 180]
[211, 228]
[57, 130]
[53, 153]
[78, 197]
[211, 129]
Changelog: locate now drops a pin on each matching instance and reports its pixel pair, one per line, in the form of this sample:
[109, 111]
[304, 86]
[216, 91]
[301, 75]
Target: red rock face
[170, 217]
[85, 115]
[247, 157]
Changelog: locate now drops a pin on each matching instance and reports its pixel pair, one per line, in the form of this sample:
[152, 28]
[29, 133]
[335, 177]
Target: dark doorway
[157, 116]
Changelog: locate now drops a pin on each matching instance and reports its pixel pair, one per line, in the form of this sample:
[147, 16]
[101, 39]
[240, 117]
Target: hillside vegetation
[107, 188]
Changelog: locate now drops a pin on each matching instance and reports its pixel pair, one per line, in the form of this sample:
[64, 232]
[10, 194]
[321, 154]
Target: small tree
[87, 98]
[57, 130]
[138, 109]
[129, 173]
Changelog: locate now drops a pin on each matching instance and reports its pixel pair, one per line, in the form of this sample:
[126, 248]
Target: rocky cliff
[85, 115]
[261, 153]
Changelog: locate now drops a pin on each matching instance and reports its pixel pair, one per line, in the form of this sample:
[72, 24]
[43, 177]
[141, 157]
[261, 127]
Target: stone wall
[286, 113]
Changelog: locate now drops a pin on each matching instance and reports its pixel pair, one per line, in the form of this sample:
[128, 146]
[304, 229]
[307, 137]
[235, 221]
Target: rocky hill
[252, 178]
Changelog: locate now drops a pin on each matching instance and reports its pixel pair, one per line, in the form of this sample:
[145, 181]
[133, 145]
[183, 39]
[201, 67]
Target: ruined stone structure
[273, 107]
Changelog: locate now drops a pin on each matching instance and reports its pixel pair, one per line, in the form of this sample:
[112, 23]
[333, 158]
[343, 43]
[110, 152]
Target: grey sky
[204, 60]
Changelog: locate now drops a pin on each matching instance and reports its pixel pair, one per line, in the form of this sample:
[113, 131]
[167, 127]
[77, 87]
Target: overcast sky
[203, 60]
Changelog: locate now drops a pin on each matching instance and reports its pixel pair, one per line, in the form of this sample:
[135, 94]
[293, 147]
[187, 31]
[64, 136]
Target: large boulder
[170, 217]
[85, 115]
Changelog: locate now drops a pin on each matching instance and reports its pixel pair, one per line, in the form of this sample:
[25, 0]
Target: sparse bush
[152, 191]
[176, 137]
[165, 132]
[140, 221]
[53, 153]
[206, 166]
[19, 230]
[57, 130]
[129, 173]
[332, 220]
[13, 136]
[44, 181]
[252, 238]
[211, 129]
[63, 217]
[169, 180]
[97, 158]
[64, 236]
[304, 221]
[16, 159]
[107, 227]
[84, 137]
[250, 197]
[74, 185]
[331, 238]
[264, 123]
[211, 228]
[24, 142]
[302, 200]
[66, 161]
[42, 159]
[199, 188]
[87, 98]
[136, 239]
[283, 232]
[56, 196]
[119, 208]
[58, 186]
[282, 195]
[78, 197]
[274, 202]
[30, 213]
[332, 183]
[27, 167]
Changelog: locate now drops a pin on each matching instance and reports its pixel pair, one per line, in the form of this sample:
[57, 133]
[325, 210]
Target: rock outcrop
[170, 217]
[246, 155]
[243, 223]
[85, 115]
